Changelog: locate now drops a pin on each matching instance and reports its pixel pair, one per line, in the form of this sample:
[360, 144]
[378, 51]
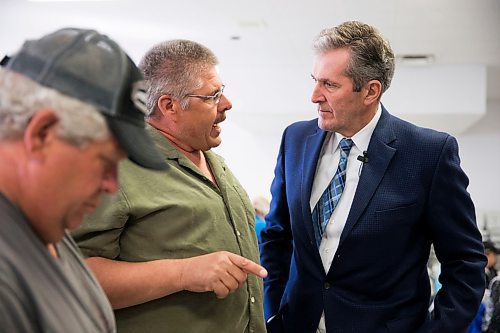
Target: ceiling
[264, 46]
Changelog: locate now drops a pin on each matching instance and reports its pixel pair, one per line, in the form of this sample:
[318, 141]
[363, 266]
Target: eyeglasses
[215, 98]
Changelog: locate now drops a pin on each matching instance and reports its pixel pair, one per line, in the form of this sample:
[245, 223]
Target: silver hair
[174, 68]
[371, 55]
[21, 98]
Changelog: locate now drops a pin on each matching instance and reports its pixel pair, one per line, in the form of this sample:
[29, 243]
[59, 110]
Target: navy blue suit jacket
[411, 194]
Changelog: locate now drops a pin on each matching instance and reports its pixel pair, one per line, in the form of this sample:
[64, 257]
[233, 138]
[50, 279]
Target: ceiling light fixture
[415, 59]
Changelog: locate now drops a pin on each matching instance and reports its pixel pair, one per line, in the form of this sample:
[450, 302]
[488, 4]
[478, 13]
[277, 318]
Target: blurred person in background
[491, 252]
[261, 206]
[487, 318]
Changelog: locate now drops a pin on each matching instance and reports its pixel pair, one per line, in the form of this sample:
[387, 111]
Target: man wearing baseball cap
[70, 110]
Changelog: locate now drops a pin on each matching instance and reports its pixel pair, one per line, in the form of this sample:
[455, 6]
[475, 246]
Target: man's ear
[40, 131]
[373, 91]
[167, 105]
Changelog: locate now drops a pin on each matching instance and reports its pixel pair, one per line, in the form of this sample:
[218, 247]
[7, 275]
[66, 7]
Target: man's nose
[224, 104]
[110, 182]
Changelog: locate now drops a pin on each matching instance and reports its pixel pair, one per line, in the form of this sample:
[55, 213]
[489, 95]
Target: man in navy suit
[404, 191]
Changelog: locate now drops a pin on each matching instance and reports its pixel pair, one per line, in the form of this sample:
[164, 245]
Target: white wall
[251, 157]
[479, 151]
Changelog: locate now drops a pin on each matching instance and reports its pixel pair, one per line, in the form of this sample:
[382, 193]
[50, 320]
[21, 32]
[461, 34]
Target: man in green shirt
[175, 250]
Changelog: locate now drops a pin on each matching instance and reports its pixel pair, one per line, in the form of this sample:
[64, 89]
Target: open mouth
[216, 129]
[218, 121]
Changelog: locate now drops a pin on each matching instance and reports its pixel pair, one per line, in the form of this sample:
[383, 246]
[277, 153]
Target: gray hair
[371, 55]
[174, 68]
[21, 98]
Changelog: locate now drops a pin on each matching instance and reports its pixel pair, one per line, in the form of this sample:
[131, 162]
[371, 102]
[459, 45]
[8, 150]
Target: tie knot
[346, 144]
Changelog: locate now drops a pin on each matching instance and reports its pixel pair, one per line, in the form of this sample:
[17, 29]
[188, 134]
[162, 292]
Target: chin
[327, 125]
[74, 222]
[323, 124]
[215, 143]
[49, 229]
[53, 237]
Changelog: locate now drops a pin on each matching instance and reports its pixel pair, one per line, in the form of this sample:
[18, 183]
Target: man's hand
[221, 272]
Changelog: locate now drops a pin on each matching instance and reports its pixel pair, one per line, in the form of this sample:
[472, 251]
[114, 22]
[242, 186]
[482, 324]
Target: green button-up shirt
[179, 213]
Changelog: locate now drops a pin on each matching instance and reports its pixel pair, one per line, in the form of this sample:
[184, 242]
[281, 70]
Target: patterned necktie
[331, 196]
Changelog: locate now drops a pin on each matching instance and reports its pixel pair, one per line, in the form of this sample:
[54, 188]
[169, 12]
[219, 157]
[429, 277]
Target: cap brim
[137, 143]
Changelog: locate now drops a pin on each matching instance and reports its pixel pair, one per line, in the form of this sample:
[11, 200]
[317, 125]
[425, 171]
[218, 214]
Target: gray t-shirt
[39, 293]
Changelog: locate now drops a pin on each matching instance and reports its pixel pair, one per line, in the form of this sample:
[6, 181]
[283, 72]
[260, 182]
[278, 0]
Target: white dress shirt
[327, 166]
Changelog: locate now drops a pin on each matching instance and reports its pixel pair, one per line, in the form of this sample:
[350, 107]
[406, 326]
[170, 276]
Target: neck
[12, 173]
[187, 151]
[53, 250]
[194, 155]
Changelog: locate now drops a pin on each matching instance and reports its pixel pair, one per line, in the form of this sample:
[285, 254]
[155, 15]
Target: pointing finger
[248, 265]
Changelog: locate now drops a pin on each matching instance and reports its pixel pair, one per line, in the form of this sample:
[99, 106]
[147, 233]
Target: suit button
[326, 285]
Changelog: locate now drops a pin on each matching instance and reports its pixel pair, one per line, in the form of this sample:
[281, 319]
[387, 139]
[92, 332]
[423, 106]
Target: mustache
[220, 119]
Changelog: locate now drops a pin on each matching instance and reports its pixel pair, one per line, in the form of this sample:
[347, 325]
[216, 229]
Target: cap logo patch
[138, 96]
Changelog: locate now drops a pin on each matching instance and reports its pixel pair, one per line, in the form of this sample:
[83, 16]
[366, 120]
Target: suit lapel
[380, 154]
[310, 156]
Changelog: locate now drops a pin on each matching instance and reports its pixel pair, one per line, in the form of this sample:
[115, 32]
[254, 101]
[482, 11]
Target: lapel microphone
[364, 158]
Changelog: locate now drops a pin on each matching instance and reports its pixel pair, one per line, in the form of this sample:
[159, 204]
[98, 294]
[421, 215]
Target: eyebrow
[324, 80]
[217, 90]
[319, 79]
